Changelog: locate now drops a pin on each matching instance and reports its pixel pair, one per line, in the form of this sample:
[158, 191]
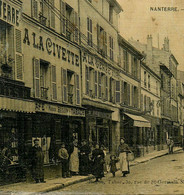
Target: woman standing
[74, 159]
[98, 161]
[123, 150]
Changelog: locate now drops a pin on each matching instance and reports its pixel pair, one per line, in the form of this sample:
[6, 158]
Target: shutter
[98, 37]
[52, 23]
[19, 58]
[96, 83]
[77, 89]
[106, 88]
[19, 67]
[36, 68]
[34, 5]
[105, 43]
[122, 92]
[133, 103]
[63, 17]
[99, 85]
[87, 80]
[54, 85]
[141, 102]
[117, 91]
[145, 103]
[128, 93]
[18, 41]
[76, 22]
[64, 84]
[132, 65]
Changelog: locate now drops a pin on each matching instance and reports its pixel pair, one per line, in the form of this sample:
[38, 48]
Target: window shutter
[98, 37]
[19, 58]
[99, 85]
[117, 91]
[64, 84]
[128, 93]
[34, 5]
[87, 80]
[145, 99]
[132, 65]
[77, 89]
[54, 85]
[141, 102]
[96, 83]
[106, 87]
[63, 17]
[36, 69]
[76, 23]
[52, 19]
[122, 92]
[133, 103]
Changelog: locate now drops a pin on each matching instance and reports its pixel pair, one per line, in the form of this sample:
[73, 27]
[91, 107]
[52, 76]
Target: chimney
[166, 44]
[149, 42]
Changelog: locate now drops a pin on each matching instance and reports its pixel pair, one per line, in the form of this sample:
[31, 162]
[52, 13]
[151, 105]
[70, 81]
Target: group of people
[81, 160]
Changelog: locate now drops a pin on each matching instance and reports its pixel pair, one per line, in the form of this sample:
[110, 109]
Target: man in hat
[37, 161]
[84, 158]
[64, 157]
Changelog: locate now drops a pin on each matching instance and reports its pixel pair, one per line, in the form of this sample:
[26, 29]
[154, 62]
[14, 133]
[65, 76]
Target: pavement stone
[59, 183]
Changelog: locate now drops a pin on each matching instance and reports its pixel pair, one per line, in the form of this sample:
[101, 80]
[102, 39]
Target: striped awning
[17, 105]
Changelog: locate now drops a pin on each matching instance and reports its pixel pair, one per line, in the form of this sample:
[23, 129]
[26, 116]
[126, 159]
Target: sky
[137, 21]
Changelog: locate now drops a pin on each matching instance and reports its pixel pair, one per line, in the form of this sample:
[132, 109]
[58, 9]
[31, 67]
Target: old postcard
[91, 97]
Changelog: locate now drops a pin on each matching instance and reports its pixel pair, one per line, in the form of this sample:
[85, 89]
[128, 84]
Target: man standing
[37, 161]
[84, 158]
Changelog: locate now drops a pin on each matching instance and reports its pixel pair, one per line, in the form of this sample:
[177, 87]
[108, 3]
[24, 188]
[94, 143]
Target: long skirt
[124, 165]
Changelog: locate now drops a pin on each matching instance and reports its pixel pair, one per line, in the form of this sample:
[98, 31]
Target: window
[145, 103]
[134, 96]
[111, 48]
[96, 83]
[41, 79]
[89, 32]
[145, 80]
[149, 82]
[126, 93]
[110, 13]
[125, 61]
[99, 84]
[77, 89]
[112, 90]
[54, 86]
[101, 40]
[117, 91]
[70, 86]
[106, 87]
[64, 84]
[156, 87]
[162, 81]
[142, 102]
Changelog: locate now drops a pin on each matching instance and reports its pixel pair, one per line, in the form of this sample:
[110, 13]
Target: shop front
[99, 127]
[53, 124]
[133, 130]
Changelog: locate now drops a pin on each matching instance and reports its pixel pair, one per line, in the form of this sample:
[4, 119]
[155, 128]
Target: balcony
[12, 88]
[44, 93]
[42, 19]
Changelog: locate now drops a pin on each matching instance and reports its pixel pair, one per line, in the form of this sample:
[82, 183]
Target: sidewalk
[59, 183]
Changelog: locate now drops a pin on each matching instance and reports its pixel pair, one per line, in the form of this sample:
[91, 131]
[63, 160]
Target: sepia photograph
[91, 97]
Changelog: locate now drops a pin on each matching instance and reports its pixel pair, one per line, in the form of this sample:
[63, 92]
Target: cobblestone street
[159, 176]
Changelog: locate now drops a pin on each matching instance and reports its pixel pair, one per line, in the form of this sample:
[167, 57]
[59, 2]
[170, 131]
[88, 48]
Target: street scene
[91, 96]
[162, 175]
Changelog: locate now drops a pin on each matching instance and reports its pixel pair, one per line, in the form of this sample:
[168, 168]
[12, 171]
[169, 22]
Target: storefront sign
[51, 47]
[101, 66]
[8, 13]
[99, 114]
[58, 109]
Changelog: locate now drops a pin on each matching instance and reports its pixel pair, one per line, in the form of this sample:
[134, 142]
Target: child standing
[113, 161]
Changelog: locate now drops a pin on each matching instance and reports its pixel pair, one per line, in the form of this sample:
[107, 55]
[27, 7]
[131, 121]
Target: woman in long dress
[123, 151]
[98, 161]
[74, 159]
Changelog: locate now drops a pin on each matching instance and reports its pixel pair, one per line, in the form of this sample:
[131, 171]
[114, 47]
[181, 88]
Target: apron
[74, 161]
[123, 162]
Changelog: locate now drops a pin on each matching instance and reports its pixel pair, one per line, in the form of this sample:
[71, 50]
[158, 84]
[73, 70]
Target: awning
[139, 121]
[17, 105]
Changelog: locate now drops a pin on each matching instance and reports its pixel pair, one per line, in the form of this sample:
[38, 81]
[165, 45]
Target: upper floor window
[145, 79]
[101, 40]
[156, 87]
[89, 32]
[126, 60]
[111, 46]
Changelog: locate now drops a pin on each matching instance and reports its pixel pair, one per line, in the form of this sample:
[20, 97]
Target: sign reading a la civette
[52, 48]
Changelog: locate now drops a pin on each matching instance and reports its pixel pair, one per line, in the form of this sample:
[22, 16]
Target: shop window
[41, 78]
[111, 47]
[89, 32]
[101, 40]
